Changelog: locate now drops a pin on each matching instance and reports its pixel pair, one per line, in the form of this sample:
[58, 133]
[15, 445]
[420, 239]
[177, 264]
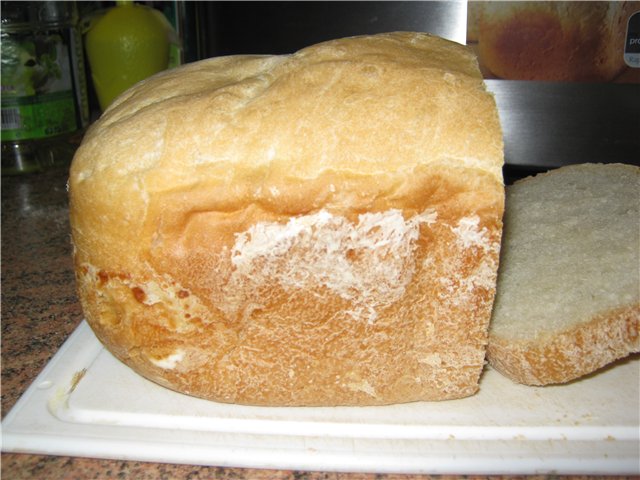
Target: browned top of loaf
[373, 108]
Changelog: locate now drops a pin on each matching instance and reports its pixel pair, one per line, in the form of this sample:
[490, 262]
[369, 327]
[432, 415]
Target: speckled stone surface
[40, 310]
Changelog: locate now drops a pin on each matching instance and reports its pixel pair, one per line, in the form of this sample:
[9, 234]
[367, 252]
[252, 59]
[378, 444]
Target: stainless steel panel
[548, 124]
[284, 27]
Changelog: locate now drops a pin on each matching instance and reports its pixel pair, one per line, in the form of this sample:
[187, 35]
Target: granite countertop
[40, 310]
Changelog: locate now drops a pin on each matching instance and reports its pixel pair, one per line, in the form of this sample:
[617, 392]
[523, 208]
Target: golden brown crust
[415, 349]
[317, 229]
[566, 356]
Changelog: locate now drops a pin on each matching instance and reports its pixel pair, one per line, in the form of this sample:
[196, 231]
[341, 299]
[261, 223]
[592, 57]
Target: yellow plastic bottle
[128, 43]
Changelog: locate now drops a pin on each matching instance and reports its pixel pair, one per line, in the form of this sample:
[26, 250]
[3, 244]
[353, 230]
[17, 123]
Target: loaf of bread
[568, 300]
[320, 228]
[561, 41]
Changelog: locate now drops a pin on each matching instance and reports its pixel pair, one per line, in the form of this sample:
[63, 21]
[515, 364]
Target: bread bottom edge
[569, 355]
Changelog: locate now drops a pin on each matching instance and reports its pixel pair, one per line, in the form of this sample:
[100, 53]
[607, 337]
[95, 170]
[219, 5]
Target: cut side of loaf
[568, 299]
[321, 228]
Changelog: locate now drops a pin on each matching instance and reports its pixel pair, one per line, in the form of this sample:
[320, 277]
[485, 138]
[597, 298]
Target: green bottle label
[37, 85]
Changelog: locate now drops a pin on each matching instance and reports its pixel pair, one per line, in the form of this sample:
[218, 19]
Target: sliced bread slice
[568, 296]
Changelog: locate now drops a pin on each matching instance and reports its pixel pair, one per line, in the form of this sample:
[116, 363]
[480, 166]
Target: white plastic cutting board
[86, 403]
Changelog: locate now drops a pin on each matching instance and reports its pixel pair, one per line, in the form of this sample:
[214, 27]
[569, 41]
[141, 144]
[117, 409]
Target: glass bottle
[44, 94]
